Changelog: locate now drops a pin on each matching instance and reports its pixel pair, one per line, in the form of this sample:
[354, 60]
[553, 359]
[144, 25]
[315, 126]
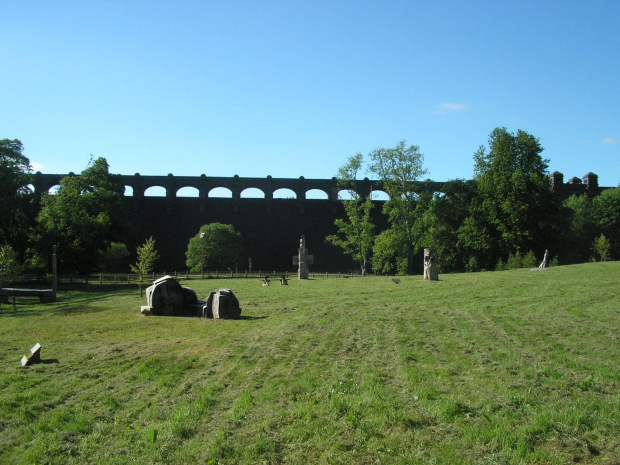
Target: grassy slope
[509, 367]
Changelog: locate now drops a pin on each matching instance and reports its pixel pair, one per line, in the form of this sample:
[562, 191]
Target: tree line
[506, 216]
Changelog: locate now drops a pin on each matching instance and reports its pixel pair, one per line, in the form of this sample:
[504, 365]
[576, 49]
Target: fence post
[326, 275]
[187, 275]
[100, 278]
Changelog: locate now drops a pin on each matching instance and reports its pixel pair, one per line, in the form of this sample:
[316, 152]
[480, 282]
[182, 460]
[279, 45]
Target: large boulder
[167, 297]
[222, 304]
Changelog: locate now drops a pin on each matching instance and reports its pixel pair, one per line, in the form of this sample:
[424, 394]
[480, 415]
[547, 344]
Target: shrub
[514, 261]
[529, 260]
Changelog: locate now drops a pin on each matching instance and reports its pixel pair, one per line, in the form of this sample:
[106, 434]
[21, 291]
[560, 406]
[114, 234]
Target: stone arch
[53, 190]
[155, 191]
[380, 196]
[252, 193]
[220, 192]
[317, 194]
[284, 193]
[128, 191]
[187, 191]
[346, 194]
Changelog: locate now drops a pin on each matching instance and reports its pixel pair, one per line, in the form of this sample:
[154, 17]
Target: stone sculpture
[430, 265]
[222, 305]
[302, 259]
[167, 297]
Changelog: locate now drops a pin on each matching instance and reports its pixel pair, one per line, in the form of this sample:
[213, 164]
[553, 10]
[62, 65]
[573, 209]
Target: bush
[514, 261]
[472, 264]
[529, 260]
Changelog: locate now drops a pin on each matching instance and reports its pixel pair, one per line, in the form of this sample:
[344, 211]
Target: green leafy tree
[147, 255]
[399, 168]
[83, 216]
[601, 247]
[515, 209]
[607, 216]
[580, 231]
[10, 266]
[216, 246]
[113, 257]
[355, 232]
[446, 215]
[17, 204]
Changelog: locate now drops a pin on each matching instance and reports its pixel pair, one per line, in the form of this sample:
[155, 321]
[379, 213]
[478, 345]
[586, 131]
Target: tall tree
[607, 214]
[446, 215]
[515, 207]
[355, 232]
[147, 256]
[17, 206]
[216, 246]
[399, 168]
[580, 230]
[84, 216]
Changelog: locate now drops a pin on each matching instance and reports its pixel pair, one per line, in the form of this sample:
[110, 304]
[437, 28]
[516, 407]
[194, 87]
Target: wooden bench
[44, 295]
[284, 281]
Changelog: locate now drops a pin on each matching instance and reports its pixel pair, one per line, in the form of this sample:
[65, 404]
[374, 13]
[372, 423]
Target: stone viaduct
[271, 227]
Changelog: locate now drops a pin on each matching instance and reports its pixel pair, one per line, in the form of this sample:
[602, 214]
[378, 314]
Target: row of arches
[223, 192]
[249, 193]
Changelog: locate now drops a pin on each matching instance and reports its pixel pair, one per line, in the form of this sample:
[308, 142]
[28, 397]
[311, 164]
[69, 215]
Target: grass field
[507, 367]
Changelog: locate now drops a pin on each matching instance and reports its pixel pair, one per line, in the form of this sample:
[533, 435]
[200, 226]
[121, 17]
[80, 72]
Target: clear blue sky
[292, 88]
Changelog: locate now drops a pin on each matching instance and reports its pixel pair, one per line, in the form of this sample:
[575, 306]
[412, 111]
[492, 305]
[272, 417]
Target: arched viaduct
[270, 226]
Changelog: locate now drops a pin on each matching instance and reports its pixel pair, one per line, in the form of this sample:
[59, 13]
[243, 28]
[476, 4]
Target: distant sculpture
[430, 265]
[303, 260]
[545, 261]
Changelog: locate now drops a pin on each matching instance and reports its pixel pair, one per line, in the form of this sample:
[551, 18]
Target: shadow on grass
[245, 317]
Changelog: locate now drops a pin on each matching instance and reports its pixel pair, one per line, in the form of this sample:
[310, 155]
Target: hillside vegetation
[505, 367]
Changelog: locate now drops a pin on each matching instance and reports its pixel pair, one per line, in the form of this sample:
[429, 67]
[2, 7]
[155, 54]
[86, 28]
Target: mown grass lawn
[508, 367]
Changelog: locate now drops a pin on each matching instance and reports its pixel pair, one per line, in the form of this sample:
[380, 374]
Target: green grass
[507, 367]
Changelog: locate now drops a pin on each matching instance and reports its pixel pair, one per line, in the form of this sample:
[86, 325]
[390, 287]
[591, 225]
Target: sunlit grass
[508, 367]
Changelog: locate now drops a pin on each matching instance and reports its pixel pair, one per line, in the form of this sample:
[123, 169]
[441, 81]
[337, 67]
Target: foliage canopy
[217, 246]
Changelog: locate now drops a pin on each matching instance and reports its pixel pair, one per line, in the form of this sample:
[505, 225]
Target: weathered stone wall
[270, 240]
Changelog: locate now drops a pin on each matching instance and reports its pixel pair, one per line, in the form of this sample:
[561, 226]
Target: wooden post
[54, 272]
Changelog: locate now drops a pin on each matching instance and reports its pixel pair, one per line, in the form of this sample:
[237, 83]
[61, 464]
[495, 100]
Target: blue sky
[294, 88]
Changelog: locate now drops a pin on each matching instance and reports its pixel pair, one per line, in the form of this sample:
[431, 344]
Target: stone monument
[222, 304]
[430, 265]
[302, 259]
[545, 261]
[167, 297]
